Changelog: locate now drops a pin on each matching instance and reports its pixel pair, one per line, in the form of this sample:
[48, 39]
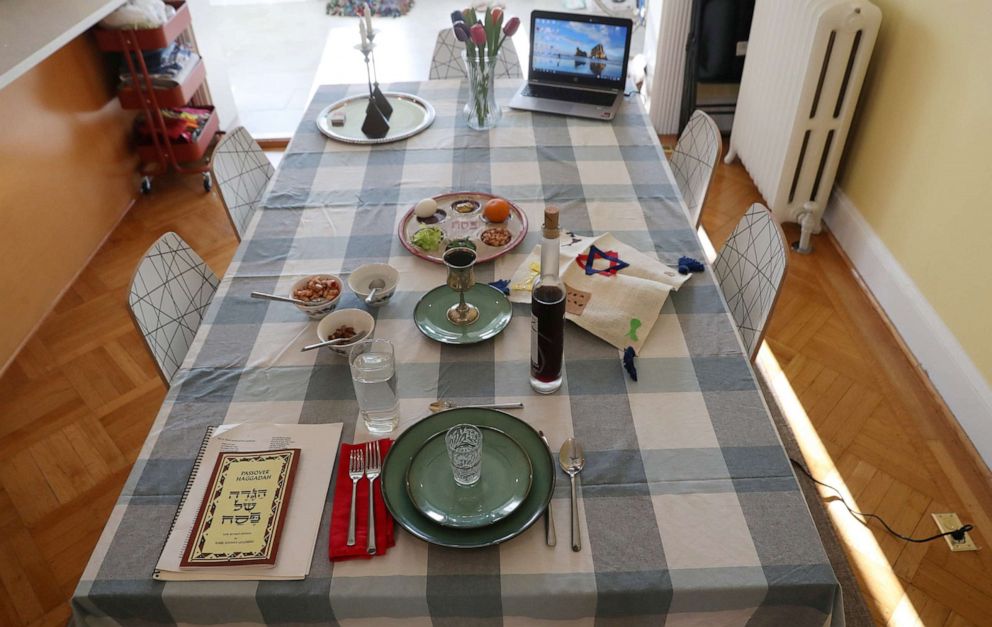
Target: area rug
[856, 613]
[383, 8]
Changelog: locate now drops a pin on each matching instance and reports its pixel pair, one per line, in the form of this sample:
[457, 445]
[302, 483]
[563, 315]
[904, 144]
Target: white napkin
[620, 309]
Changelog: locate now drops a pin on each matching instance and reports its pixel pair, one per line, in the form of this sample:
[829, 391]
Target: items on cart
[182, 125]
[167, 67]
[139, 14]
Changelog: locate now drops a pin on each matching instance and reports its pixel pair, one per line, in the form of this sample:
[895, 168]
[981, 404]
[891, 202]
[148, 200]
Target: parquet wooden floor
[77, 402]
[892, 441]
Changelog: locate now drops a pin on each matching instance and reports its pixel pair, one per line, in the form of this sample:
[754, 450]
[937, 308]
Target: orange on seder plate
[497, 210]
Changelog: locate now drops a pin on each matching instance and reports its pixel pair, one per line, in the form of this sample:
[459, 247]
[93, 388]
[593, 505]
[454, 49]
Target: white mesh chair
[447, 61]
[169, 294]
[750, 268]
[693, 160]
[242, 172]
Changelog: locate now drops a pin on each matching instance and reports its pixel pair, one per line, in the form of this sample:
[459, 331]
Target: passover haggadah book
[242, 516]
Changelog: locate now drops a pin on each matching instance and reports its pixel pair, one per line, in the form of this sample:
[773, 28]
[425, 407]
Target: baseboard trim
[275, 142]
[939, 354]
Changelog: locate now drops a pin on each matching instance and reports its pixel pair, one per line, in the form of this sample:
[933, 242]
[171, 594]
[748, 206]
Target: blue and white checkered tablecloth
[690, 512]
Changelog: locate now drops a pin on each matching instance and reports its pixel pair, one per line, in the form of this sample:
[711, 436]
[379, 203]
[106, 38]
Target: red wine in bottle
[547, 309]
[547, 313]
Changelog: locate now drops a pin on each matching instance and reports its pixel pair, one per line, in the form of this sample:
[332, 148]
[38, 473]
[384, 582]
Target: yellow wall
[66, 178]
[918, 163]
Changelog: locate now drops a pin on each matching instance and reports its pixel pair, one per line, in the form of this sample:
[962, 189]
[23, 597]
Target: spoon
[281, 299]
[441, 405]
[550, 537]
[336, 341]
[572, 460]
[375, 285]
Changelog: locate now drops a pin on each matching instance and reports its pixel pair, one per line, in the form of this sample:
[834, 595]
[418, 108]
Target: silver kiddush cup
[461, 278]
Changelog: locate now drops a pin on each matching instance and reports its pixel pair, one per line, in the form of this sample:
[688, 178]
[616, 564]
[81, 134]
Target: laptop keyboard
[569, 95]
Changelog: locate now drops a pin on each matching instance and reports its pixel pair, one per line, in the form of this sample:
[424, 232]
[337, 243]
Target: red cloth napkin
[339, 549]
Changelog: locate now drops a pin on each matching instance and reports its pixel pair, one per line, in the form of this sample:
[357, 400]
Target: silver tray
[411, 115]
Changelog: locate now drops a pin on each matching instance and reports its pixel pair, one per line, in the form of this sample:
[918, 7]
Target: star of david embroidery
[586, 262]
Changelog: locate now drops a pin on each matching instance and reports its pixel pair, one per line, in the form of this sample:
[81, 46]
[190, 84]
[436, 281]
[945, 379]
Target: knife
[549, 518]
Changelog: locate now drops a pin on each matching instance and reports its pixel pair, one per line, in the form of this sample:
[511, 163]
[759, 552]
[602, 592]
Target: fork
[356, 468]
[373, 465]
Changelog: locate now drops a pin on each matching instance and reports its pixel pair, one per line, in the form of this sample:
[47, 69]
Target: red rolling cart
[157, 153]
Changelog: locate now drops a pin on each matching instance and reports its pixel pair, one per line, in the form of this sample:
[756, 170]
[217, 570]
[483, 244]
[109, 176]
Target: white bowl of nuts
[320, 294]
[346, 323]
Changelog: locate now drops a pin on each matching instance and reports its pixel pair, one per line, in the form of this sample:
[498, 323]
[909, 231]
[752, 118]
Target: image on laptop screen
[589, 51]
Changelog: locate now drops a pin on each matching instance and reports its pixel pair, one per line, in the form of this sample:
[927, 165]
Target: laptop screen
[589, 50]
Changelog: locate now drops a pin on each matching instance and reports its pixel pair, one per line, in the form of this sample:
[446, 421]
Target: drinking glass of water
[373, 373]
[464, 444]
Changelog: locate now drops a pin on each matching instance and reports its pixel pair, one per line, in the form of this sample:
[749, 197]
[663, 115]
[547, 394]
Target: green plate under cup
[431, 314]
[502, 486]
[408, 443]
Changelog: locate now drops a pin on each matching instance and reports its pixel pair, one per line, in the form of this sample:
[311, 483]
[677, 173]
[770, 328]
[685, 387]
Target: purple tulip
[461, 31]
[511, 26]
[456, 16]
[478, 34]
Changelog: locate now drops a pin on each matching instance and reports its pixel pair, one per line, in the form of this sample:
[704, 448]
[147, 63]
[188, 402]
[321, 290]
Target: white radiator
[806, 62]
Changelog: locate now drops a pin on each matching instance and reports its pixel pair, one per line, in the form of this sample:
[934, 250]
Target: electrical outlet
[950, 522]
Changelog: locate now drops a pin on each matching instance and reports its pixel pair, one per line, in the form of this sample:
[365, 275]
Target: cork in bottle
[551, 229]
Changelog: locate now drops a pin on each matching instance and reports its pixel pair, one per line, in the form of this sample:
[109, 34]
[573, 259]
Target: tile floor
[279, 51]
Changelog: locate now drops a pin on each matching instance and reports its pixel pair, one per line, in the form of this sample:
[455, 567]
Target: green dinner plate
[431, 314]
[502, 486]
[407, 445]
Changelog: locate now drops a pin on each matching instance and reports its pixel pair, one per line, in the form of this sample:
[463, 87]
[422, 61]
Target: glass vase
[482, 112]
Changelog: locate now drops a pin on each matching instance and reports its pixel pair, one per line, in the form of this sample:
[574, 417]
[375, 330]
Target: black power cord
[956, 534]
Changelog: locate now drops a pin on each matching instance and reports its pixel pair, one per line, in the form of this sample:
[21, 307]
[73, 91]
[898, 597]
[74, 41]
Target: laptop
[578, 65]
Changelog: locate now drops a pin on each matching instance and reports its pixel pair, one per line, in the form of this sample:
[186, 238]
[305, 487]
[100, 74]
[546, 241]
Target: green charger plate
[502, 487]
[431, 314]
[407, 445]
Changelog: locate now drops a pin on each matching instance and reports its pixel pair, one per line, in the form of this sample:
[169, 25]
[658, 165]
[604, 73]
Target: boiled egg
[425, 208]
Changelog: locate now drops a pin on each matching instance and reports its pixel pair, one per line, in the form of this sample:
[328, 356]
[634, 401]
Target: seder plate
[468, 225]
[411, 115]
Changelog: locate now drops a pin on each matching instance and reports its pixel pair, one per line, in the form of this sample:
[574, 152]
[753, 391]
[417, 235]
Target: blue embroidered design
[628, 362]
[688, 264]
[502, 285]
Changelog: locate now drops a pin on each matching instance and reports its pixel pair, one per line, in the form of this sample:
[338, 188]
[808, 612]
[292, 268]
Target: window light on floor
[878, 580]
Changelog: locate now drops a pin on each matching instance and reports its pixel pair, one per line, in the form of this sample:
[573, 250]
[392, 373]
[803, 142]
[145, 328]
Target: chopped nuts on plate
[496, 236]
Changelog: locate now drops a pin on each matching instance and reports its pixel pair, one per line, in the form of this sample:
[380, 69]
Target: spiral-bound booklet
[299, 523]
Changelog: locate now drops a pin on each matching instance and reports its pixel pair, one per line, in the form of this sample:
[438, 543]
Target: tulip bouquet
[482, 40]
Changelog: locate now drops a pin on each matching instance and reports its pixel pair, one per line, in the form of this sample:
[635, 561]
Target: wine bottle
[547, 313]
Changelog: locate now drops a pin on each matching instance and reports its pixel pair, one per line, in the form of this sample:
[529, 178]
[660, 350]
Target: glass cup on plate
[464, 444]
[373, 373]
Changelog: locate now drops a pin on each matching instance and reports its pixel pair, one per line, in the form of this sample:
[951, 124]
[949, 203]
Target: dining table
[689, 511]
